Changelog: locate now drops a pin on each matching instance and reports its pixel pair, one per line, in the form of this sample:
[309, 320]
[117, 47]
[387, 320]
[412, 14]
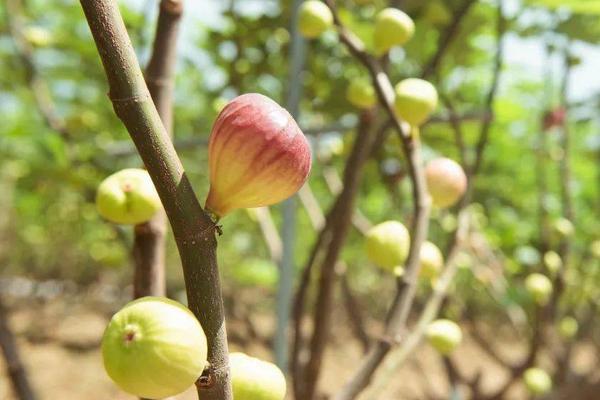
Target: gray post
[288, 234]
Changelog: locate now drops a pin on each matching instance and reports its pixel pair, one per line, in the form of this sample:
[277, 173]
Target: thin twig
[353, 309]
[39, 87]
[269, 232]
[446, 37]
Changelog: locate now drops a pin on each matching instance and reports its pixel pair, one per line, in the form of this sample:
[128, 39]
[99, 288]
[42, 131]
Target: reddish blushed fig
[446, 182]
[257, 155]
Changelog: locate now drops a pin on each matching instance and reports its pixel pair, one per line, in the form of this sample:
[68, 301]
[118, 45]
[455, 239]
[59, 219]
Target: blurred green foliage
[50, 229]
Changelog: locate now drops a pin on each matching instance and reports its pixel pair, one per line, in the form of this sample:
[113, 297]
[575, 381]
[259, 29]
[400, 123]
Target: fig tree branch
[446, 37]
[149, 237]
[363, 376]
[339, 219]
[401, 305]
[39, 88]
[193, 229]
[14, 366]
[430, 311]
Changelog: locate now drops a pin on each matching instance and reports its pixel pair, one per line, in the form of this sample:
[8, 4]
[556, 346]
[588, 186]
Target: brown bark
[149, 240]
[193, 229]
[15, 368]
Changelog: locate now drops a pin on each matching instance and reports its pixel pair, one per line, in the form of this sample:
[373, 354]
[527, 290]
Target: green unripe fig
[415, 100]
[537, 381]
[437, 13]
[431, 260]
[563, 227]
[568, 327]
[255, 379]
[361, 94]
[539, 287]
[314, 18]
[446, 182]
[552, 261]
[444, 335]
[393, 27]
[128, 197]
[387, 245]
[38, 36]
[595, 248]
[154, 348]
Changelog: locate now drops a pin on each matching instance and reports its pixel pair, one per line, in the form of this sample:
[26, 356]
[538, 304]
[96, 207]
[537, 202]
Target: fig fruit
[446, 182]
[563, 227]
[595, 248]
[431, 260]
[437, 13]
[255, 379]
[539, 287]
[537, 381]
[444, 335]
[553, 261]
[128, 197]
[361, 94]
[568, 327]
[314, 18]
[393, 27]
[387, 244]
[154, 348]
[415, 100]
[257, 155]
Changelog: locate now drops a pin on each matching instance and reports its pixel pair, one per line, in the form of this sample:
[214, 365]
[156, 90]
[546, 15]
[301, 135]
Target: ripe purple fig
[446, 182]
[257, 155]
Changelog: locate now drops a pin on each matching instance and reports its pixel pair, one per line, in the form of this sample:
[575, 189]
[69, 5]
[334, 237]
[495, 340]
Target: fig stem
[133, 105]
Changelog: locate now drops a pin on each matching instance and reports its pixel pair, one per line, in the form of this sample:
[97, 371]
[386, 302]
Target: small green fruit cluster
[537, 381]
[393, 27]
[539, 287]
[553, 261]
[314, 18]
[128, 197]
[444, 335]
[255, 379]
[415, 100]
[431, 260]
[387, 245]
[568, 327]
[361, 94]
[154, 348]
[563, 227]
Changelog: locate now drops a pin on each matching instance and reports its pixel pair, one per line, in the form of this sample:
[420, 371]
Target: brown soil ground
[59, 344]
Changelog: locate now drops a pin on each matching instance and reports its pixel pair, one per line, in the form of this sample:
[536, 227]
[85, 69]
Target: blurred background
[64, 271]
